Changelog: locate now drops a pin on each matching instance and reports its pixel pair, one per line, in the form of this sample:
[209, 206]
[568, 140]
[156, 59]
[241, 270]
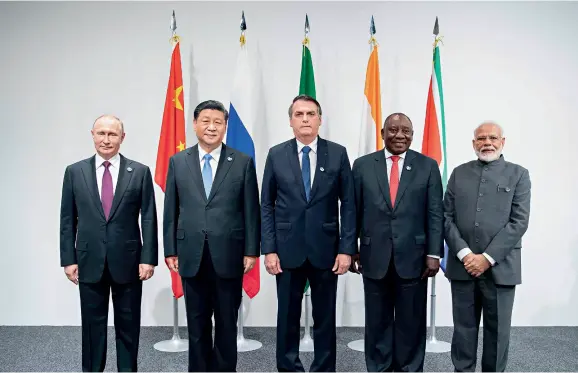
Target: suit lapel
[321, 160]
[124, 176]
[195, 168]
[381, 174]
[225, 161]
[406, 176]
[293, 158]
[89, 173]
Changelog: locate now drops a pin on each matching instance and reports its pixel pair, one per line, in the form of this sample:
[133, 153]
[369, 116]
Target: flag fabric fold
[172, 136]
[371, 122]
[307, 84]
[434, 133]
[246, 126]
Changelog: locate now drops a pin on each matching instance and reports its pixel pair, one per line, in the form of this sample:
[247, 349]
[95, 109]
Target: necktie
[394, 178]
[306, 171]
[207, 174]
[106, 193]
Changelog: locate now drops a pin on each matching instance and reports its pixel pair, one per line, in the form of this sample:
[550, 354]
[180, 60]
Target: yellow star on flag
[181, 146]
[178, 104]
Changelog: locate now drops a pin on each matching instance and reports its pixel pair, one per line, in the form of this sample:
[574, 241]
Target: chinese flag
[172, 138]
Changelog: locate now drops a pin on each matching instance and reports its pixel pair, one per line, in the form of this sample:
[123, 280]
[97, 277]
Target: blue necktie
[306, 171]
[207, 174]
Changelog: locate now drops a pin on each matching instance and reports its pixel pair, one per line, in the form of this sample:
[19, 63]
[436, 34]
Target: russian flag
[246, 127]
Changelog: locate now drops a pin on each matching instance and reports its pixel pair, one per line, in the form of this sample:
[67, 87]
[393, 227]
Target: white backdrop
[64, 64]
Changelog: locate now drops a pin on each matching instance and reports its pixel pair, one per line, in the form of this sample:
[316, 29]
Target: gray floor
[47, 348]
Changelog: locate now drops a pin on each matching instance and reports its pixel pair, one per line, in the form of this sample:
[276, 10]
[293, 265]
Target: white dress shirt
[312, 156]
[113, 168]
[400, 162]
[214, 162]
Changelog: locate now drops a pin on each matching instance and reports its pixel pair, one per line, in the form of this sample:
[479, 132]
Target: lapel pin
[229, 159]
[321, 169]
[408, 168]
[129, 169]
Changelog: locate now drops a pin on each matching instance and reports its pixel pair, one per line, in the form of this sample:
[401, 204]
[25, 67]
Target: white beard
[489, 157]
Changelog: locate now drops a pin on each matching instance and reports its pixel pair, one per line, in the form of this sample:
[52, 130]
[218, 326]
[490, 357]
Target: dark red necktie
[106, 193]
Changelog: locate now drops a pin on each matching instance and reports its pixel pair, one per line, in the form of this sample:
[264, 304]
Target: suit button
[395, 237]
[204, 231]
[477, 224]
[478, 209]
[481, 194]
[477, 241]
[393, 217]
[104, 241]
[485, 169]
[483, 180]
[206, 207]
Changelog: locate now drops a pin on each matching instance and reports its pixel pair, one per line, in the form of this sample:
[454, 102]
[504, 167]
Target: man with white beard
[486, 213]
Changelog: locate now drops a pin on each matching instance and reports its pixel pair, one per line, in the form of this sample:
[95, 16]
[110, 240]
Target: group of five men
[315, 218]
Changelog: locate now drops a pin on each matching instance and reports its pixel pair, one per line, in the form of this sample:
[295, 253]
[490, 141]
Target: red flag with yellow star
[172, 137]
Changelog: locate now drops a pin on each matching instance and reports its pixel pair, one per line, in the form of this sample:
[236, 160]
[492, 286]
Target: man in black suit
[303, 182]
[400, 228]
[100, 243]
[211, 235]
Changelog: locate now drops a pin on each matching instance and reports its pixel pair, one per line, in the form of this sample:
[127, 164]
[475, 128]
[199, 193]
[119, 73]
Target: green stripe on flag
[307, 87]
[438, 74]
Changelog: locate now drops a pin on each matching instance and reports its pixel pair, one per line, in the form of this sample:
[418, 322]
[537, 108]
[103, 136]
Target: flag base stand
[244, 344]
[358, 345]
[306, 343]
[433, 344]
[176, 343]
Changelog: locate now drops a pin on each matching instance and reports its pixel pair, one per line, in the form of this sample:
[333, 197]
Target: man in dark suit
[303, 182]
[487, 211]
[100, 243]
[211, 236]
[398, 195]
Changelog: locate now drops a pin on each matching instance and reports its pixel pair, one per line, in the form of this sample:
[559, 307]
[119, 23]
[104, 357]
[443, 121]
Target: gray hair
[489, 122]
[110, 116]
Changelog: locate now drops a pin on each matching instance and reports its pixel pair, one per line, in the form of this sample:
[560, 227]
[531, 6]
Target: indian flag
[434, 133]
[370, 138]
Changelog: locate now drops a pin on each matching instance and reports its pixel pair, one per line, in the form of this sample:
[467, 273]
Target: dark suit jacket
[228, 218]
[88, 239]
[296, 229]
[412, 229]
[487, 209]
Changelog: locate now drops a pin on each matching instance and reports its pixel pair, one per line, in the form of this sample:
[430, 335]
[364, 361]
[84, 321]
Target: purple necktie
[106, 193]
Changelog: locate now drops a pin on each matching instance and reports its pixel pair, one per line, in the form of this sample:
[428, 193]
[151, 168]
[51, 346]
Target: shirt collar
[313, 146]
[388, 154]
[216, 153]
[114, 161]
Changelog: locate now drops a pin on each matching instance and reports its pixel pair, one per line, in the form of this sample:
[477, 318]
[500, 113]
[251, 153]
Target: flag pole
[244, 344]
[306, 343]
[176, 343]
[433, 344]
[359, 344]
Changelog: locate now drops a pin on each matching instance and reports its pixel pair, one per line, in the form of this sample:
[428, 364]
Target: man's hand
[249, 263]
[432, 267]
[145, 271]
[476, 264]
[273, 264]
[173, 263]
[342, 264]
[355, 264]
[71, 272]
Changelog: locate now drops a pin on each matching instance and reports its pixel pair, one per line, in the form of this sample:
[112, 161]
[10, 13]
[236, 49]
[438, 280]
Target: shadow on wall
[550, 313]
[163, 311]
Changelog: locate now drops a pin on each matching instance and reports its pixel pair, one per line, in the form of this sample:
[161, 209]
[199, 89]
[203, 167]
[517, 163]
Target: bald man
[486, 213]
[102, 248]
[398, 195]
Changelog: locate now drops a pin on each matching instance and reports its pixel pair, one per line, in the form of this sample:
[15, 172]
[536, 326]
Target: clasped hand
[476, 264]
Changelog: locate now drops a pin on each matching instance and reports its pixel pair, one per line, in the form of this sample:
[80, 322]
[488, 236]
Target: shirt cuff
[434, 256]
[490, 259]
[463, 252]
